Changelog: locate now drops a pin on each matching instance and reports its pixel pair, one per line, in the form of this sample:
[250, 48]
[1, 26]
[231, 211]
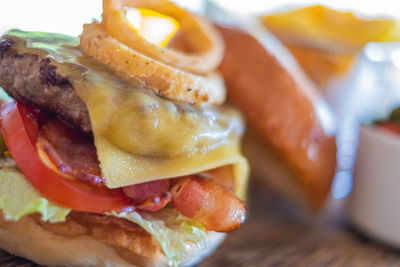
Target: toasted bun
[285, 110]
[29, 239]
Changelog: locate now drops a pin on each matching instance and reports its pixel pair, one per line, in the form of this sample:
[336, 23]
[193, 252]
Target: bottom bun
[42, 243]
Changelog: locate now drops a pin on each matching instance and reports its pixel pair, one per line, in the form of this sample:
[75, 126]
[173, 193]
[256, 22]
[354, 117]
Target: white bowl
[374, 204]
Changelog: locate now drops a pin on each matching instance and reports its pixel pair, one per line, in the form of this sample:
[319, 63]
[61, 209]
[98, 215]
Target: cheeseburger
[118, 150]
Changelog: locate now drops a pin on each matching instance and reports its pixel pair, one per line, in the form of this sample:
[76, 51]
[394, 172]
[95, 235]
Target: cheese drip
[138, 135]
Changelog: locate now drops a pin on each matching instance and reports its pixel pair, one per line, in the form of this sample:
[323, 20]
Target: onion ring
[162, 79]
[205, 44]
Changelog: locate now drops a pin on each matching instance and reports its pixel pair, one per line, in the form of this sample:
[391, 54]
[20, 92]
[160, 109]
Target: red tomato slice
[20, 132]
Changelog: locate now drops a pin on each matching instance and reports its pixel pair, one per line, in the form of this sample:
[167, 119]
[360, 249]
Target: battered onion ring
[164, 80]
[204, 42]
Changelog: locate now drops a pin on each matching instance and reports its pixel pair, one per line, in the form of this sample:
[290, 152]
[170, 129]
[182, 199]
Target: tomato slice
[20, 131]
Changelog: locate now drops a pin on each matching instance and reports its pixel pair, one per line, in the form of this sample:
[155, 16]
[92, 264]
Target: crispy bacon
[74, 155]
[150, 196]
[222, 176]
[71, 152]
[206, 197]
[208, 202]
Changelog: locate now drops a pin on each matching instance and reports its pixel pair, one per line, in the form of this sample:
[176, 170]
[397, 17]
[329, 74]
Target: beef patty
[31, 79]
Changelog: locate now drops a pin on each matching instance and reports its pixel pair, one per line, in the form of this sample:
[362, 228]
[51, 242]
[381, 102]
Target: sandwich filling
[171, 167]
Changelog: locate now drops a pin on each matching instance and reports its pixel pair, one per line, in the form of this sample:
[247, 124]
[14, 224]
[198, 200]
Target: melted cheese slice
[140, 136]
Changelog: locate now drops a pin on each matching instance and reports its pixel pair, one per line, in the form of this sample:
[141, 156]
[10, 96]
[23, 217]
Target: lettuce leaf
[19, 198]
[4, 96]
[171, 230]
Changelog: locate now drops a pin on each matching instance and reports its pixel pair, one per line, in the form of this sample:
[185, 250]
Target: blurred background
[67, 16]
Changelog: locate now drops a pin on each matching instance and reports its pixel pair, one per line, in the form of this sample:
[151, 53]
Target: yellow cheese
[140, 136]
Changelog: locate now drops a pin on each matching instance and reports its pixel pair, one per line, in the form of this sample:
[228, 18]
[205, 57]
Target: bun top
[283, 106]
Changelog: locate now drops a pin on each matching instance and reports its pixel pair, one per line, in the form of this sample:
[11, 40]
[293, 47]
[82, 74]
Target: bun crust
[31, 239]
[282, 106]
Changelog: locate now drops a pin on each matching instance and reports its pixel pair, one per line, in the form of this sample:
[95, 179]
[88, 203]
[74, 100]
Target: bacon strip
[206, 197]
[208, 202]
[150, 196]
[72, 153]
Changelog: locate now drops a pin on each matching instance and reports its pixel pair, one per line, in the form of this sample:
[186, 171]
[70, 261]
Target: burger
[117, 150]
[290, 139]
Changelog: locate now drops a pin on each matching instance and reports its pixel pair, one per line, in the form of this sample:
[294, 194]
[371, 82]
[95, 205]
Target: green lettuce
[18, 198]
[171, 230]
[4, 96]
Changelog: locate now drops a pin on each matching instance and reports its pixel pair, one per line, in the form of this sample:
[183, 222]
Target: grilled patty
[31, 79]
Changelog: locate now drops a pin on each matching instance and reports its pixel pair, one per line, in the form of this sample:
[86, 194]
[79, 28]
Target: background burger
[290, 139]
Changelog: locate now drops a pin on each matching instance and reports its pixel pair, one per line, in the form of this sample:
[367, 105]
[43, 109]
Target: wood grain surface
[276, 234]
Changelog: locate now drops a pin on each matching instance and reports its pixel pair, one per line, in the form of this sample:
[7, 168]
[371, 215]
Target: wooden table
[277, 235]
